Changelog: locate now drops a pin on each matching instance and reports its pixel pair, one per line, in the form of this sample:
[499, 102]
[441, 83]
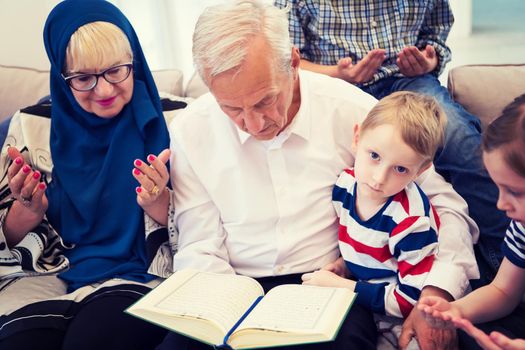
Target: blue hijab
[92, 200]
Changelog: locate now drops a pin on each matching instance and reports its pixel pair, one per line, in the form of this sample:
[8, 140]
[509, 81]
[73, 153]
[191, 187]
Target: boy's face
[511, 186]
[384, 163]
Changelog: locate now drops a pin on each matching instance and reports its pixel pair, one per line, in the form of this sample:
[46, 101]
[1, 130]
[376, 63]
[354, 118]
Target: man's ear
[295, 60]
[355, 140]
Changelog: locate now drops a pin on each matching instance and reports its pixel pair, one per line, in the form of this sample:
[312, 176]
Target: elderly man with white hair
[254, 162]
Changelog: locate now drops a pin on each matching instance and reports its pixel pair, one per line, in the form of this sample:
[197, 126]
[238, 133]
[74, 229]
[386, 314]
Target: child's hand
[338, 267]
[324, 278]
[153, 178]
[494, 341]
[438, 312]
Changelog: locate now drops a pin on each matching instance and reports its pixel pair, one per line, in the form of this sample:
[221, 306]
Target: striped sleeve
[414, 247]
[413, 243]
[340, 195]
[514, 244]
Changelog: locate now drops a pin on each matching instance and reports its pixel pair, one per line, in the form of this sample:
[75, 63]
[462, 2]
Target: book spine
[239, 321]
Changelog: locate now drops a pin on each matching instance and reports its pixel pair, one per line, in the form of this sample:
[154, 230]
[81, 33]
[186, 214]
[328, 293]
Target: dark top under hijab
[92, 200]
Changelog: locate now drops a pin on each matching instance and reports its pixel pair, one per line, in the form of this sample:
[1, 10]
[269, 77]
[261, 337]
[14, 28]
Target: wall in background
[21, 24]
[485, 31]
[462, 10]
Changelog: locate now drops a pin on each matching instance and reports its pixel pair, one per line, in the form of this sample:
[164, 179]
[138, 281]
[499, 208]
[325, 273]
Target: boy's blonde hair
[419, 117]
[96, 44]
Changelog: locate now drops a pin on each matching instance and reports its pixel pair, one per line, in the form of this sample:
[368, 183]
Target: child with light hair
[387, 225]
[496, 308]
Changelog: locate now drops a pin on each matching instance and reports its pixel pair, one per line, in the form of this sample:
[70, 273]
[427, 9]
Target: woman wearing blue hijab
[105, 117]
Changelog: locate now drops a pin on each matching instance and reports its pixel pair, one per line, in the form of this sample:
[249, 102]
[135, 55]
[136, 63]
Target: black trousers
[99, 323]
[358, 331]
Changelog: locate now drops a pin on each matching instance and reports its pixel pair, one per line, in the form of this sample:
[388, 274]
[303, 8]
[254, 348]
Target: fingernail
[42, 185]
[36, 175]
[18, 160]
[136, 172]
[138, 189]
[151, 157]
[138, 162]
[26, 169]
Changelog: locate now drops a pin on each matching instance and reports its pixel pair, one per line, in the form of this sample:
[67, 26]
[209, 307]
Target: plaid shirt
[328, 30]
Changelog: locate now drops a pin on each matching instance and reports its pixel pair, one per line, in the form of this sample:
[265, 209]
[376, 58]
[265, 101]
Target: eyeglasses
[88, 81]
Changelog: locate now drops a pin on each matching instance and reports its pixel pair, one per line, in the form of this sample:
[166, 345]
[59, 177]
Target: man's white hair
[224, 32]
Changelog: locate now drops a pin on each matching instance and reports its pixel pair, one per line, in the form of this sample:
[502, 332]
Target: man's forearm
[435, 291]
[330, 70]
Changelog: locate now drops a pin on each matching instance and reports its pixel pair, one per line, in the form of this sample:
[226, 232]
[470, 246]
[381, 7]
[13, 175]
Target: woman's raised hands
[153, 194]
[25, 184]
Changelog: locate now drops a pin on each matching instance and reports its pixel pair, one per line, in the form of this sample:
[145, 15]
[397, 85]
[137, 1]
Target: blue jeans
[459, 162]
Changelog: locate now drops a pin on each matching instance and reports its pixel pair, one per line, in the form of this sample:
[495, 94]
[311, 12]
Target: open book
[230, 311]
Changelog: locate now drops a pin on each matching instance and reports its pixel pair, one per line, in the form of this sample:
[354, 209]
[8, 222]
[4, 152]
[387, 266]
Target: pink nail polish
[36, 175]
[136, 172]
[138, 189]
[138, 162]
[26, 169]
[41, 185]
[151, 158]
[18, 160]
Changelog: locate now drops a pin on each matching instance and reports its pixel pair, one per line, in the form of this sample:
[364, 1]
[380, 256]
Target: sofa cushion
[484, 90]
[169, 81]
[195, 86]
[21, 87]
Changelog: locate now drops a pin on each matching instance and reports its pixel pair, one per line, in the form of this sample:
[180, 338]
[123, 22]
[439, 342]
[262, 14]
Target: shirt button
[373, 24]
[278, 269]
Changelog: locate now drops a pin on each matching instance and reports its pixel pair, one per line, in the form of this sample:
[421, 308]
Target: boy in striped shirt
[387, 226]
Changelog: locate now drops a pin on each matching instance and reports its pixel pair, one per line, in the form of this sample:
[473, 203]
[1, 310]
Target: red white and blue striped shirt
[391, 253]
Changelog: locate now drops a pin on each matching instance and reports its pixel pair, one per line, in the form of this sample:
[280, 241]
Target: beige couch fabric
[21, 87]
[484, 90]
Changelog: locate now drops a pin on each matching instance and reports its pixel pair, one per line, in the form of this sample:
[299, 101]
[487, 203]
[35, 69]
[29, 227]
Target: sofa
[482, 89]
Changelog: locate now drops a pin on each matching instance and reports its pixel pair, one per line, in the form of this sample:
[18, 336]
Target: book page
[290, 308]
[222, 299]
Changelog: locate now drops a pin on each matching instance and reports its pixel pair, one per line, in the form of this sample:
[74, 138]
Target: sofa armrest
[195, 86]
[21, 87]
[169, 81]
[484, 90]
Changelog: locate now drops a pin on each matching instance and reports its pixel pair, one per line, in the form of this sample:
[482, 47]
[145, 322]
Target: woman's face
[510, 184]
[106, 99]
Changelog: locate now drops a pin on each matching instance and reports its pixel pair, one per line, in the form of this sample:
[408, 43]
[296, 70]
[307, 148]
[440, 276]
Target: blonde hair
[94, 45]
[419, 117]
[224, 32]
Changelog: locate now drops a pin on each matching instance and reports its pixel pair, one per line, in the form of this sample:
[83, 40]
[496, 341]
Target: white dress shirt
[263, 208]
